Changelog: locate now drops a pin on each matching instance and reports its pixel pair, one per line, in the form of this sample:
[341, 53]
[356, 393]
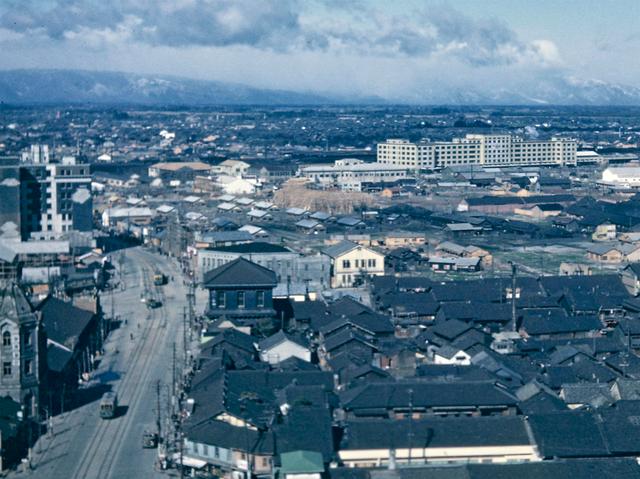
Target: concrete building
[231, 168]
[349, 174]
[624, 176]
[481, 150]
[290, 267]
[45, 199]
[178, 170]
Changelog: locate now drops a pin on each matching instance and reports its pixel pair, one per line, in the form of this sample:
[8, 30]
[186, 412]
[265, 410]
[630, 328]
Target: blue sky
[399, 49]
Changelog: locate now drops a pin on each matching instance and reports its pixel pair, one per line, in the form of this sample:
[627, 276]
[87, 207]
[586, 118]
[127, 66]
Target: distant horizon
[402, 52]
[16, 89]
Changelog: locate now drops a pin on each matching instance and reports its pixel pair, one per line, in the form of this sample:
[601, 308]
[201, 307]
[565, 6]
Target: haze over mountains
[32, 86]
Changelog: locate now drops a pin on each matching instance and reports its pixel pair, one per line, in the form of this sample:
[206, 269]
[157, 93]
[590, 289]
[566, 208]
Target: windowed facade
[220, 299]
[260, 299]
[241, 299]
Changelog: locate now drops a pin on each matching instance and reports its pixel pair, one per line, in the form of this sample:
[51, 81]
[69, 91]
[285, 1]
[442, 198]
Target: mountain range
[34, 86]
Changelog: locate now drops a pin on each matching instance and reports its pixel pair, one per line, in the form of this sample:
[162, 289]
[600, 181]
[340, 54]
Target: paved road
[83, 445]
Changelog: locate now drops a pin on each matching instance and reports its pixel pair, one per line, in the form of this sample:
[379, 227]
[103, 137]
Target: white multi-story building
[42, 198]
[349, 174]
[482, 150]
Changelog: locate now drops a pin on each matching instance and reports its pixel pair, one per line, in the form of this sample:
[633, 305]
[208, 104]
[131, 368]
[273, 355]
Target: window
[220, 299]
[6, 369]
[265, 462]
[372, 263]
[260, 299]
[27, 338]
[205, 450]
[346, 263]
[6, 338]
[28, 367]
[240, 299]
[216, 451]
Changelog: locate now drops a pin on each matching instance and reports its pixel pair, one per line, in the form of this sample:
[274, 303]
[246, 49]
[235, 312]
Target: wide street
[137, 356]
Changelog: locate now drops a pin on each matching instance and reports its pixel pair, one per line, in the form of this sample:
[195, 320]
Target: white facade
[352, 262]
[348, 174]
[482, 150]
[622, 176]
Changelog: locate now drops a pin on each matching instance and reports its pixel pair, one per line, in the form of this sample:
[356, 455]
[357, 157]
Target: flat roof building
[477, 149]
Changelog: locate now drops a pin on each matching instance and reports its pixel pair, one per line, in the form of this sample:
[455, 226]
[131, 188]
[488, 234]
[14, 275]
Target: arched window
[6, 338]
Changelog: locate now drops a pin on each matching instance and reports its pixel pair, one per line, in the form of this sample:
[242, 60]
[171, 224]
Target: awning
[189, 461]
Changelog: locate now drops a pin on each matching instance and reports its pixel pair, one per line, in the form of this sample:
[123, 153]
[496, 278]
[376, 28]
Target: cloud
[343, 28]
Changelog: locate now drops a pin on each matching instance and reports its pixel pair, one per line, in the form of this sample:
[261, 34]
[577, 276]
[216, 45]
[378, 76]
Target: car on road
[153, 303]
[108, 405]
[149, 439]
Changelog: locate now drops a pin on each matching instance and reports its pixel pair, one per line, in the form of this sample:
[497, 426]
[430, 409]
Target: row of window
[7, 369]
[359, 263]
[6, 339]
[221, 299]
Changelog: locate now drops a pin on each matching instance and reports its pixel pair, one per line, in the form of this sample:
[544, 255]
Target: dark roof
[558, 324]
[568, 434]
[240, 272]
[347, 306]
[426, 394]
[343, 337]
[222, 236]
[435, 432]
[64, 322]
[233, 337]
[450, 329]
[222, 434]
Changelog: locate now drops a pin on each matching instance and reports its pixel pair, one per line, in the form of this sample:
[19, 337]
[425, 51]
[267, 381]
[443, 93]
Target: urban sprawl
[379, 292]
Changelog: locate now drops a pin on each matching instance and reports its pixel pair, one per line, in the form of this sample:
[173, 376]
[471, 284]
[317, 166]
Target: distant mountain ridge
[33, 87]
[80, 86]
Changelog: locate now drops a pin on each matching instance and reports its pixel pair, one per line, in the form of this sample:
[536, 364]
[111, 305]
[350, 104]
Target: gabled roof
[63, 322]
[568, 434]
[240, 272]
[233, 337]
[279, 338]
[340, 249]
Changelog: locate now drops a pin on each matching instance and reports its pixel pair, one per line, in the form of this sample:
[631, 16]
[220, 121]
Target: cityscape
[328, 272]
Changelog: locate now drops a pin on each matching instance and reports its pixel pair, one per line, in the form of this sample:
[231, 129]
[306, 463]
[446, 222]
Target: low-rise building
[349, 174]
[290, 267]
[352, 263]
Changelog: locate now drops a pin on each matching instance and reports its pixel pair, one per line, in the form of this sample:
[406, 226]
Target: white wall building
[482, 150]
[349, 174]
[627, 176]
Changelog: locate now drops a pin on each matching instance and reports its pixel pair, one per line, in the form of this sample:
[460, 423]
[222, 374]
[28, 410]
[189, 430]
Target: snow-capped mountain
[75, 86]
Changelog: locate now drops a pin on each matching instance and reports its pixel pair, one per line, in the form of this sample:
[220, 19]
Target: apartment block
[43, 198]
[476, 149]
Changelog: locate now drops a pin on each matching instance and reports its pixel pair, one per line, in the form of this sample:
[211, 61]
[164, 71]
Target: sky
[391, 49]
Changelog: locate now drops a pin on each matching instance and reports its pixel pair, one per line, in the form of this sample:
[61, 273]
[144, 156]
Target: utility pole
[410, 423]
[513, 296]
[184, 334]
[158, 414]
[173, 394]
